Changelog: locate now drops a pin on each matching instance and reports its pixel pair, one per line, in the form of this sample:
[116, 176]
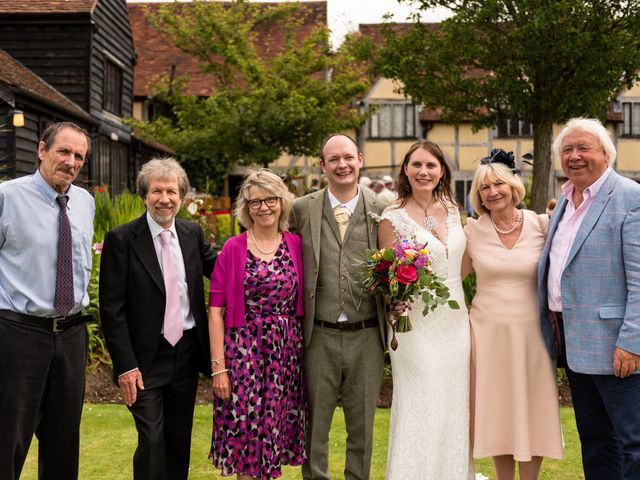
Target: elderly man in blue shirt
[46, 228]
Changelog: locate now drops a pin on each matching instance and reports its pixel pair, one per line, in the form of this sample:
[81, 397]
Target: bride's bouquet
[400, 273]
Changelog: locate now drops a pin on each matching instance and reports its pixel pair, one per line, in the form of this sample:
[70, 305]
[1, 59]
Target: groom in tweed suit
[343, 324]
[589, 285]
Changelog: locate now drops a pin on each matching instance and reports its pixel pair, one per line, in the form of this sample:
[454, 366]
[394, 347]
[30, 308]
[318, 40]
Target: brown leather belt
[348, 326]
[52, 324]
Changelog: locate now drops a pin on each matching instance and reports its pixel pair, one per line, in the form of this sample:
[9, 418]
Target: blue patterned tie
[63, 301]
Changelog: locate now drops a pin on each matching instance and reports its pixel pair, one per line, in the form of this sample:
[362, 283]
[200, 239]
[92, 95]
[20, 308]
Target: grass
[108, 440]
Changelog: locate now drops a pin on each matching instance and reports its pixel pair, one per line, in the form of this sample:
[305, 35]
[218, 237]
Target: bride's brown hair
[442, 192]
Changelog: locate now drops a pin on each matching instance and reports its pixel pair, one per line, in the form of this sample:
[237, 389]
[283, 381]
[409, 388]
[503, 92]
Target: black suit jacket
[132, 296]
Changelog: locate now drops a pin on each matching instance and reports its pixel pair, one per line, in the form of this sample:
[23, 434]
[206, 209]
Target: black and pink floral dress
[262, 426]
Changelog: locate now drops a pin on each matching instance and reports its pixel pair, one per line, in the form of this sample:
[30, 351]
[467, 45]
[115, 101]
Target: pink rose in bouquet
[406, 274]
[400, 273]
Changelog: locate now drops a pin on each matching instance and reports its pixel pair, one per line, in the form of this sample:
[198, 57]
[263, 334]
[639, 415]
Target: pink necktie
[172, 312]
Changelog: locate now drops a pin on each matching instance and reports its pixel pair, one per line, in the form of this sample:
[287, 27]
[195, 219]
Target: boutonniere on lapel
[375, 219]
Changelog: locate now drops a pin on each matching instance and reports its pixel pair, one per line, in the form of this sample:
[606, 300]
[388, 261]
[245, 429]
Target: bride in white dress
[429, 431]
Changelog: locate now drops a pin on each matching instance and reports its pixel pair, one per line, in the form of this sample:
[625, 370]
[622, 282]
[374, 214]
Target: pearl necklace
[430, 222]
[517, 219]
[255, 242]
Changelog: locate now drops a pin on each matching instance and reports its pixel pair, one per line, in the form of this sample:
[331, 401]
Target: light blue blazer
[600, 284]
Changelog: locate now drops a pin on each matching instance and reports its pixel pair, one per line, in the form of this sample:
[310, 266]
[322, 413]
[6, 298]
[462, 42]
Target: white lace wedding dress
[429, 430]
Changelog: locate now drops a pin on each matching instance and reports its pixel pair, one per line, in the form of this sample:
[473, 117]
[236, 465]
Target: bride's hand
[398, 308]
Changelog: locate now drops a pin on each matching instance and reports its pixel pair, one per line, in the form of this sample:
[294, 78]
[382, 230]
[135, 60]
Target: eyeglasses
[256, 203]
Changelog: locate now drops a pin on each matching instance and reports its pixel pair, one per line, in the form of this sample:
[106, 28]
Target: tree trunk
[542, 164]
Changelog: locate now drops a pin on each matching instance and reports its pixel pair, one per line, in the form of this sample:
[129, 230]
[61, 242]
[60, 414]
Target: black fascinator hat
[498, 155]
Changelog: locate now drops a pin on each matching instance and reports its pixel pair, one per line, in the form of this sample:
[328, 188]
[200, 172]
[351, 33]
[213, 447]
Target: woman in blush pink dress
[515, 414]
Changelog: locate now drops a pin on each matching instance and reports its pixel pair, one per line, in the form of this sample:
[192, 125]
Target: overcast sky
[345, 15]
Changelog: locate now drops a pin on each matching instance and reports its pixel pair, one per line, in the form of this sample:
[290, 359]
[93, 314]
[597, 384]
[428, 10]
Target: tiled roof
[156, 54]
[47, 6]
[21, 79]
[374, 30]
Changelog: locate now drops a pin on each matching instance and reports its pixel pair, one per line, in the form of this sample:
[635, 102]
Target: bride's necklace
[517, 218]
[255, 242]
[430, 222]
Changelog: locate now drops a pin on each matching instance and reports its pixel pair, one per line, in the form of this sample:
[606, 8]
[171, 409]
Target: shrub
[469, 287]
[110, 213]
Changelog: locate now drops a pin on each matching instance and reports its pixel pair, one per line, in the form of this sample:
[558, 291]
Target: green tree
[542, 61]
[278, 87]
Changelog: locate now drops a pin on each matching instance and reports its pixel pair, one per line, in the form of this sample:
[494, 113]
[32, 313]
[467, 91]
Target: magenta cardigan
[227, 280]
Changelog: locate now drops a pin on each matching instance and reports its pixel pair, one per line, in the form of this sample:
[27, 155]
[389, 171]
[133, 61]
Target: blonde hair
[499, 172]
[270, 182]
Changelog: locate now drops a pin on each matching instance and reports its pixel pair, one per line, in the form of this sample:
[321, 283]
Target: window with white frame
[631, 119]
[393, 120]
[512, 127]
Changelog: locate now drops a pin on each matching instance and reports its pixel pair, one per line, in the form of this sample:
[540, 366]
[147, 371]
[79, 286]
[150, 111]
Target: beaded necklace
[517, 219]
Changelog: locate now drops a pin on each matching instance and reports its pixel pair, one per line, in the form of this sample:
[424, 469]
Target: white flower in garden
[192, 208]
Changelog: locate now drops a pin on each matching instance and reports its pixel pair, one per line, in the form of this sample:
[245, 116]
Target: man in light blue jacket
[589, 285]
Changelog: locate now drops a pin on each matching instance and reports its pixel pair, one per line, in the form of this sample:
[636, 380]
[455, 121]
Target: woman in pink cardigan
[256, 337]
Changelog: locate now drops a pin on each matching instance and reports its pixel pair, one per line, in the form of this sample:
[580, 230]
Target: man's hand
[129, 383]
[624, 363]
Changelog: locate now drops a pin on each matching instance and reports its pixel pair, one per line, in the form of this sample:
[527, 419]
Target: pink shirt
[565, 234]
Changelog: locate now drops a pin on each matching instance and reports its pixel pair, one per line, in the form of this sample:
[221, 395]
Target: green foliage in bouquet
[401, 273]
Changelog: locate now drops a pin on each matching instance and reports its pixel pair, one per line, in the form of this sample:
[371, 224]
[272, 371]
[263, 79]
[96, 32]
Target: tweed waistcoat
[339, 283]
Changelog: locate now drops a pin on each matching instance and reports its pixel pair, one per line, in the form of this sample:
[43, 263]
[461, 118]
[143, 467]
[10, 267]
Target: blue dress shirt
[29, 226]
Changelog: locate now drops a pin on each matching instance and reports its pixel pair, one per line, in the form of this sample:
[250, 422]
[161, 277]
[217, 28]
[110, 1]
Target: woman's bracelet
[217, 362]
[219, 372]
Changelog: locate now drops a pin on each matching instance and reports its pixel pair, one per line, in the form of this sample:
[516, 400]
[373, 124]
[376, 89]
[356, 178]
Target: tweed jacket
[306, 220]
[600, 283]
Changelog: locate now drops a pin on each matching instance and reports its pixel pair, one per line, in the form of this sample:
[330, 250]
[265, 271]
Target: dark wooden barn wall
[6, 139]
[113, 36]
[57, 51]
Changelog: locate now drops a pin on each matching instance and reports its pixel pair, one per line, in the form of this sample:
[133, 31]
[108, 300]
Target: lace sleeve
[401, 225]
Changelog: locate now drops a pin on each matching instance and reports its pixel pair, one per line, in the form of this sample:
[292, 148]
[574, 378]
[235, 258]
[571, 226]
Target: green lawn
[109, 439]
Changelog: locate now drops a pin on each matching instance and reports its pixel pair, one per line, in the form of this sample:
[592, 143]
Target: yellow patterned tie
[342, 215]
